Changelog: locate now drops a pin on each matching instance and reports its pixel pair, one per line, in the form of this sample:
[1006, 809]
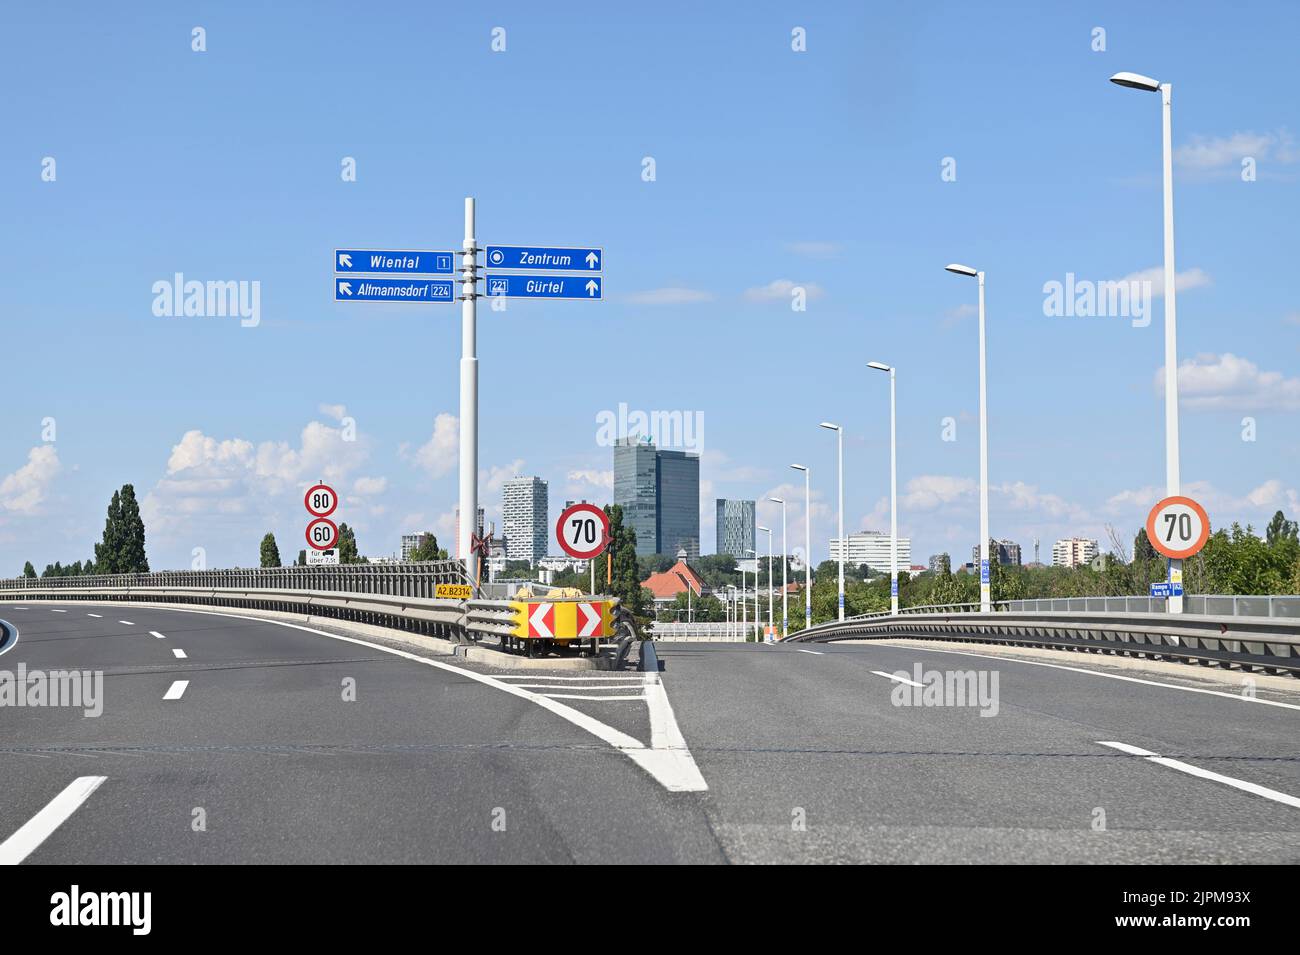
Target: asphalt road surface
[232, 739]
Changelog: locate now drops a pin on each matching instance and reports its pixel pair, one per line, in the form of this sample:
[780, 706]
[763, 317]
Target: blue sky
[819, 169]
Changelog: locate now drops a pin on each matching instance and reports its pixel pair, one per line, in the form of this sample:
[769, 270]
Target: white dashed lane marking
[176, 690]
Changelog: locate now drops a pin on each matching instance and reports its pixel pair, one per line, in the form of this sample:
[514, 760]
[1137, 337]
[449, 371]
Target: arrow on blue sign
[393, 290]
[531, 257]
[383, 262]
[544, 286]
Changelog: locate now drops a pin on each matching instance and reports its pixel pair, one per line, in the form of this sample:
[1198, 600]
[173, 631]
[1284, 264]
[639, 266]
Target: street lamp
[839, 432]
[807, 544]
[1138, 82]
[893, 488]
[785, 562]
[985, 597]
[750, 550]
[769, 580]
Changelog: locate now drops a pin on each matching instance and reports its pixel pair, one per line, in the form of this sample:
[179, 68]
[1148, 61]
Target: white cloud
[1229, 382]
[23, 491]
[1255, 506]
[498, 475]
[780, 289]
[931, 491]
[1215, 153]
[440, 453]
[1183, 281]
[366, 486]
[669, 296]
[337, 412]
[590, 476]
[207, 477]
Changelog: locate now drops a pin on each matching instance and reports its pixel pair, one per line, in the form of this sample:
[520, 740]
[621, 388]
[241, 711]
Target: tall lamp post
[750, 550]
[985, 595]
[893, 488]
[1172, 481]
[768, 530]
[839, 434]
[807, 544]
[785, 562]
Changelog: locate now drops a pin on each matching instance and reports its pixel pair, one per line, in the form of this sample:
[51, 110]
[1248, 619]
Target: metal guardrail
[425, 615]
[406, 580]
[1221, 605]
[1250, 643]
[713, 631]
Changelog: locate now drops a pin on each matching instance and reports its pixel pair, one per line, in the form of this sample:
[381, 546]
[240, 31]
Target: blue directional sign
[530, 257]
[1166, 590]
[404, 263]
[544, 286]
[984, 572]
[393, 290]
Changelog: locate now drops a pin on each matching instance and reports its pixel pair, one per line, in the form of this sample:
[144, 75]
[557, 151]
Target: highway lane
[804, 751]
[283, 769]
[782, 734]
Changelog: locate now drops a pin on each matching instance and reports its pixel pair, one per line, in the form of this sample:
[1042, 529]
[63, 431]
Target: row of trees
[120, 551]
[269, 555]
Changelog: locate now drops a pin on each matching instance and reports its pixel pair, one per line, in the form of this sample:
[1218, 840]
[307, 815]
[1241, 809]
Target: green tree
[270, 552]
[28, 570]
[1280, 529]
[348, 546]
[619, 565]
[107, 551]
[1142, 549]
[427, 548]
[302, 558]
[132, 555]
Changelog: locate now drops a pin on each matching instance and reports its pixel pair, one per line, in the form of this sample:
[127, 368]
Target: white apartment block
[872, 548]
[524, 514]
[1074, 552]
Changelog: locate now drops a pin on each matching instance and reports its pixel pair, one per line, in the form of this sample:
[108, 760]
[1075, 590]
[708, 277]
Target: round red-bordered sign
[320, 511]
[582, 531]
[1178, 527]
[333, 540]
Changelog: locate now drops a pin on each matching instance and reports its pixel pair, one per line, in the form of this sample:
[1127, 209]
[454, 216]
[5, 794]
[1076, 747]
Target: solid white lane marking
[565, 686]
[579, 696]
[52, 610]
[551, 676]
[176, 689]
[37, 829]
[1191, 770]
[1110, 676]
[96, 616]
[157, 634]
[662, 765]
[19, 608]
[897, 678]
[178, 653]
[816, 653]
[127, 623]
[674, 765]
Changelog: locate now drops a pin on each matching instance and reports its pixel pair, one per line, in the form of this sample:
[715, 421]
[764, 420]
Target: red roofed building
[677, 579]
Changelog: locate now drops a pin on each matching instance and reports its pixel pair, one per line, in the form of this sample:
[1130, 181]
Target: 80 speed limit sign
[320, 500]
[582, 531]
[1178, 527]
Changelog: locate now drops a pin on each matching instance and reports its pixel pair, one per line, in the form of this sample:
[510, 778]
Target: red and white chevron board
[588, 619]
[541, 620]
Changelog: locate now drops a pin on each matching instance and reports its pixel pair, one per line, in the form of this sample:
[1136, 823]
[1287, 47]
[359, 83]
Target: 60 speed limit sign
[1178, 527]
[323, 534]
[582, 531]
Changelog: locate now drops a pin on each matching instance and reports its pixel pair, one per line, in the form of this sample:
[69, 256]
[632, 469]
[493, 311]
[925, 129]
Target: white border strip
[1191, 770]
[39, 828]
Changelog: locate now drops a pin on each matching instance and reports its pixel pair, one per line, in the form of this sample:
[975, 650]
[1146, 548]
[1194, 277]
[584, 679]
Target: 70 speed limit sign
[1178, 527]
[583, 531]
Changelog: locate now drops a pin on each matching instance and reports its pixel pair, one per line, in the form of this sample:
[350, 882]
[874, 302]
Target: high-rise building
[735, 527]
[1074, 552]
[409, 543]
[1005, 552]
[524, 516]
[873, 549]
[659, 492]
[478, 531]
